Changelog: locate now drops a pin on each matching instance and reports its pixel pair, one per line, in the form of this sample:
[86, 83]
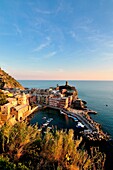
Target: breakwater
[93, 131]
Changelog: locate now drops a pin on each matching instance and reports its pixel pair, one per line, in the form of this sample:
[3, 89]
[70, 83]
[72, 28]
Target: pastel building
[59, 102]
[42, 99]
[32, 99]
[22, 99]
[20, 111]
[6, 108]
[63, 102]
[13, 101]
[54, 101]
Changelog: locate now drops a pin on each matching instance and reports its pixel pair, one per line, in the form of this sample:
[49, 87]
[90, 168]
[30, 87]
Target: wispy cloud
[43, 45]
[82, 28]
[46, 12]
[85, 24]
[101, 40]
[41, 58]
[64, 7]
[60, 7]
[18, 30]
[51, 54]
[74, 35]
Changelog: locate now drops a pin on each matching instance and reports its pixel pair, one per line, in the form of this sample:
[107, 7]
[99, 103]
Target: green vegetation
[8, 81]
[1, 83]
[2, 98]
[23, 147]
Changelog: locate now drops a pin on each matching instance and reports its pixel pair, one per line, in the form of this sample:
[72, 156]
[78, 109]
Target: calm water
[98, 94]
[60, 121]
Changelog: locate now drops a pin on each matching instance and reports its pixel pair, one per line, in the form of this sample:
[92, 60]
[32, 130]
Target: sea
[97, 94]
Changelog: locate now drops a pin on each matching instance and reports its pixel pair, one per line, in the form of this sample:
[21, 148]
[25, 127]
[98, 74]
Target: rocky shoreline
[94, 135]
[94, 131]
[102, 135]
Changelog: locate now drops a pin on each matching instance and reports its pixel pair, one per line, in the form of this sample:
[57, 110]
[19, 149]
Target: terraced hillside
[8, 81]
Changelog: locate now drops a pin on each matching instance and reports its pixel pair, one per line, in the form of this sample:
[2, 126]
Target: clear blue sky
[57, 39]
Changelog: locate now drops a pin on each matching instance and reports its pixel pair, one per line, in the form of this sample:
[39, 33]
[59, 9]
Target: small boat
[45, 124]
[62, 112]
[80, 125]
[69, 116]
[49, 120]
[75, 119]
[44, 118]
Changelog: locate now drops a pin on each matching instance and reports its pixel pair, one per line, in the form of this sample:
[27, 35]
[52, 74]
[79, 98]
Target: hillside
[7, 81]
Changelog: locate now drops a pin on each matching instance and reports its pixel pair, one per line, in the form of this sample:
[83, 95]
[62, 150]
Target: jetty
[93, 131]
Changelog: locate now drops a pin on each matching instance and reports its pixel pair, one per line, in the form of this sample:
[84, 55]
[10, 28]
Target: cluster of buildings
[20, 102]
[61, 96]
[16, 108]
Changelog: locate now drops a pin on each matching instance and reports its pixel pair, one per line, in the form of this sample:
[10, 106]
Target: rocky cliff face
[7, 81]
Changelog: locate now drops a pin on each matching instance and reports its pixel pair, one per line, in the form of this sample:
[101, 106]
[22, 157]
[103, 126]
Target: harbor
[95, 94]
[83, 123]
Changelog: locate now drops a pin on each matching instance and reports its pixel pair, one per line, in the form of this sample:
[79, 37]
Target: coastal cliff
[7, 81]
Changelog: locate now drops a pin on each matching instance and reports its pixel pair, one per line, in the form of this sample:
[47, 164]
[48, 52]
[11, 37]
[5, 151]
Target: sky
[57, 39]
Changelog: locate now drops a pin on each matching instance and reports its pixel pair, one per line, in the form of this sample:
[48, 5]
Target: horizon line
[58, 80]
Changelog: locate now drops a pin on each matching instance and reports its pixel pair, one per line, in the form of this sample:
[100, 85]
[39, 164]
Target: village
[22, 103]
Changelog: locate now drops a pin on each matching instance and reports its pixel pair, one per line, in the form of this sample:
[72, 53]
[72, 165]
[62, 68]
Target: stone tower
[66, 83]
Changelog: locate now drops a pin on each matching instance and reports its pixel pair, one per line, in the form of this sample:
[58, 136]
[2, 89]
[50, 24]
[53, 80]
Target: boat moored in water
[80, 125]
[49, 120]
[74, 118]
[45, 124]
[62, 112]
[44, 118]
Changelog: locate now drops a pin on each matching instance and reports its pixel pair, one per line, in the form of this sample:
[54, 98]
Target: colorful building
[22, 99]
[58, 102]
[20, 111]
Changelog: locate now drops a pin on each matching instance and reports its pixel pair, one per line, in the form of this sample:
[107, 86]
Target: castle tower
[66, 83]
